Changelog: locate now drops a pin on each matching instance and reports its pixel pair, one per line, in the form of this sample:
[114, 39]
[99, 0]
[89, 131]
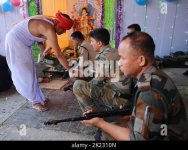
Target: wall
[170, 31]
[7, 19]
[49, 7]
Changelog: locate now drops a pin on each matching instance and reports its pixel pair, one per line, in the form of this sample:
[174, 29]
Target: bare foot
[39, 107]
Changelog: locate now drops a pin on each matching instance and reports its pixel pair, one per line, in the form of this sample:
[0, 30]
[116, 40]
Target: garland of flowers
[109, 18]
[23, 10]
[34, 7]
[102, 14]
[37, 7]
[119, 21]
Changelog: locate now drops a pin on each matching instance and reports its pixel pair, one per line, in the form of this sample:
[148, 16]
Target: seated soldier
[158, 112]
[85, 51]
[101, 93]
[133, 28]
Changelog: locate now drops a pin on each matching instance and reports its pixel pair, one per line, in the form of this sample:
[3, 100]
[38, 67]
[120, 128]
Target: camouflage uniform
[158, 112]
[100, 92]
[86, 51]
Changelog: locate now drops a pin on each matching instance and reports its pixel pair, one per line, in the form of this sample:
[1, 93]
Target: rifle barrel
[92, 115]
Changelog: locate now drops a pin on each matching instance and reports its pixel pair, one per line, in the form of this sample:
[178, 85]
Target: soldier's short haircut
[142, 42]
[136, 27]
[101, 34]
[77, 35]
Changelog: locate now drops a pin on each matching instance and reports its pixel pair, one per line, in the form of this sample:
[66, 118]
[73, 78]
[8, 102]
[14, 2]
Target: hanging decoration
[123, 23]
[37, 7]
[15, 3]
[142, 2]
[102, 13]
[2, 1]
[109, 15]
[24, 8]
[6, 6]
[109, 21]
[33, 7]
[22, 2]
[119, 21]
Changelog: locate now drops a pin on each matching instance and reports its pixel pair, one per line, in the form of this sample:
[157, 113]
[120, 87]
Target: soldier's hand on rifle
[126, 118]
[93, 122]
[88, 111]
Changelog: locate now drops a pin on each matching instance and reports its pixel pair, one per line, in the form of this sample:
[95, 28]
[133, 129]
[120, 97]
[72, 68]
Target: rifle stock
[124, 111]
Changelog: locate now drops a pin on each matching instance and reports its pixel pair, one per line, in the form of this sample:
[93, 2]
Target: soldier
[85, 51]
[84, 47]
[100, 88]
[101, 93]
[159, 112]
[133, 28]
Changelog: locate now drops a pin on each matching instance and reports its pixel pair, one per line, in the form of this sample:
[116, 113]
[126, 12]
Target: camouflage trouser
[99, 98]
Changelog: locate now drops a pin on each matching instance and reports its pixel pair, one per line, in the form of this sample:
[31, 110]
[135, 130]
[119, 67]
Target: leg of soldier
[81, 90]
[95, 97]
[99, 99]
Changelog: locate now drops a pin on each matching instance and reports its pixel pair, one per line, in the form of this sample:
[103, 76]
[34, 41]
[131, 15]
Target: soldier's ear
[142, 60]
[100, 43]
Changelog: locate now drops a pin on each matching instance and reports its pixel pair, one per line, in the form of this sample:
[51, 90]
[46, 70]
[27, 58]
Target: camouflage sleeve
[84, 54]
[106, 67]
[112, 56]
[147, 116]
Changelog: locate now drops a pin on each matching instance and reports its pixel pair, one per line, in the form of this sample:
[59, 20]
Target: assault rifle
[102, 114]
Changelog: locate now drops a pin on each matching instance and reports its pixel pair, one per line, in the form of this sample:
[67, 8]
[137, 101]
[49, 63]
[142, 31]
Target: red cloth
[63, 22]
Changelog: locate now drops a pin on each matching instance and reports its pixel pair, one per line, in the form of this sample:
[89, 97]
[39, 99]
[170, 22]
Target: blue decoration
[142, 2]
[169, 0]
[6, 6]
